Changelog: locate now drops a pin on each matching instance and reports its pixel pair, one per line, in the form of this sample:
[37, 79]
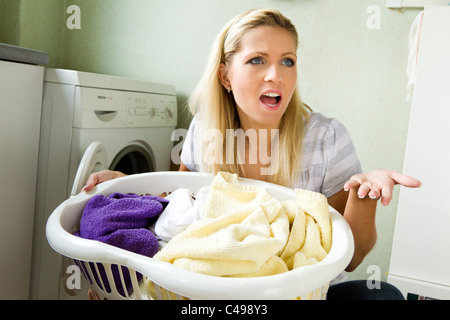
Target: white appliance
[420, 259]
[92, 122]
[20, 106]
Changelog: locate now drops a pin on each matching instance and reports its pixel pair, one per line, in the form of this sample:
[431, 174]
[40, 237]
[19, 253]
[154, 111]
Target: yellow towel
[297, 219]
[243, 227]
[245, 232]
[316, 205]
[273, 265]
[312, 247]
[304, 246]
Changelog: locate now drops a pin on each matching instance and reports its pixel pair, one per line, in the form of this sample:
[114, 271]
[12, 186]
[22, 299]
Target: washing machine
[92, 122]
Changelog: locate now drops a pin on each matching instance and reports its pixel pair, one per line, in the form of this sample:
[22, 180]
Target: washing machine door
[94, 159]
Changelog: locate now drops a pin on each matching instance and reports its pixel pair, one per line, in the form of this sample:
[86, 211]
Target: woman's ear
[222, 73]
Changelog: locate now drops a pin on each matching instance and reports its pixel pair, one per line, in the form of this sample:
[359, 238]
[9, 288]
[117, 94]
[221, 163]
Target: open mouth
[270, 99]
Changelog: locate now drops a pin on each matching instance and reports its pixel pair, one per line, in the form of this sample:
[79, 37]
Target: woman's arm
[358, 206]
[360, 215]
[183, 167]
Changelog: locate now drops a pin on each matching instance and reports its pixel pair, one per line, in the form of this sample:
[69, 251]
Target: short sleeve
[188, 152]
[341, 160]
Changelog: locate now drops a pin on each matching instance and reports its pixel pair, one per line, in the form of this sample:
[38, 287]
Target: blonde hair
[217, 109]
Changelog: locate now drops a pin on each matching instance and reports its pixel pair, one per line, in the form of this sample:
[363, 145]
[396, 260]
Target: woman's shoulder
[320, 126]
[318, 121]
[193, 125]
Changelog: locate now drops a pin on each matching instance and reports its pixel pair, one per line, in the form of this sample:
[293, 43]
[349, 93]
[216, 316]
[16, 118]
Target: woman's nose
[273, 74]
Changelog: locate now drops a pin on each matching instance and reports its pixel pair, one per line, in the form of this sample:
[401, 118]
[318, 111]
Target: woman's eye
[288, 62]
[256, 60]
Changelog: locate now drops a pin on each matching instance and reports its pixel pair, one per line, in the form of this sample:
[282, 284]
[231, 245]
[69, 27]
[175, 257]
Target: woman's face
[262, 76]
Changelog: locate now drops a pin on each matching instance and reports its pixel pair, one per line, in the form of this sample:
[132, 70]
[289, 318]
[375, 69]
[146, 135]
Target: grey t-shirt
[329, 158]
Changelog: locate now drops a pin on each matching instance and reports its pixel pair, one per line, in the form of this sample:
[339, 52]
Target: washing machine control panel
[144, 109]
[105, 108]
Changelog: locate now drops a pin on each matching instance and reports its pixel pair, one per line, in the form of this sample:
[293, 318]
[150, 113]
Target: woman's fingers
[386, 195]
[405, 181]
[363, 190]
[374, 194]
[92, 181]
[354, 182]
[379, 184]
[101, 176]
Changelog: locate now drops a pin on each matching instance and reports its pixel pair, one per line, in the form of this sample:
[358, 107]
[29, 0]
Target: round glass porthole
[133, 159]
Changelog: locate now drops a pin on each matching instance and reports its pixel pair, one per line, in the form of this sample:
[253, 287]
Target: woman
[250, 84]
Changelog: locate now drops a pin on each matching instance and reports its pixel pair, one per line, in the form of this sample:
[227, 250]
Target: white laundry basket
[98, 261]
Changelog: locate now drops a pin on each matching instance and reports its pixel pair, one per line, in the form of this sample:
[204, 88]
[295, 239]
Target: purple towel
[122, 220]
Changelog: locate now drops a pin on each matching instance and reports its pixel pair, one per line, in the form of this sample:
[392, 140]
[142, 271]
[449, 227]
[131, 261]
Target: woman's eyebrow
[264, 54]
[259, 53]
[289, 53]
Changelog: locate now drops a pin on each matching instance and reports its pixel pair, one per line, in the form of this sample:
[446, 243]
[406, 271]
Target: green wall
[348, 69]
[35, 24]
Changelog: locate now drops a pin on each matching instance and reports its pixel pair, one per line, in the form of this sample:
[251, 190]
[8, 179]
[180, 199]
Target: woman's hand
[379, 184]
[101, 176]
[360, 214]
